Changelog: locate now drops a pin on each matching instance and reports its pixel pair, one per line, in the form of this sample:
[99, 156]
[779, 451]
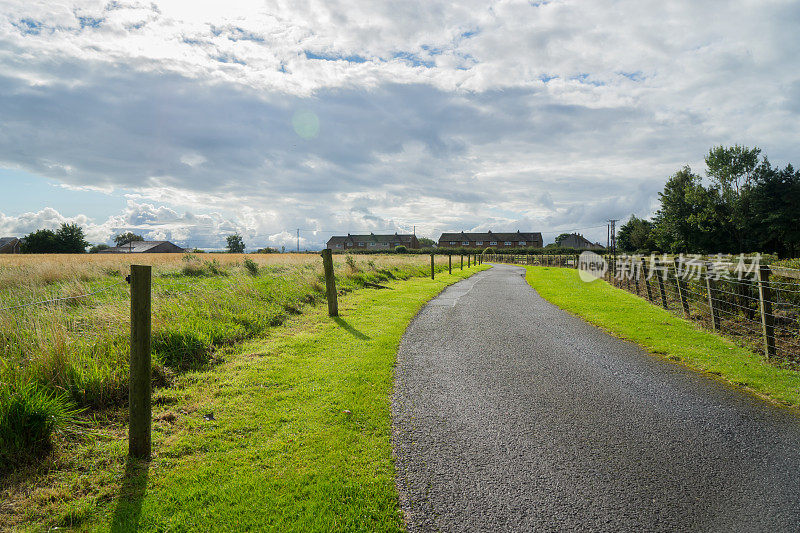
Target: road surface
[512, 415]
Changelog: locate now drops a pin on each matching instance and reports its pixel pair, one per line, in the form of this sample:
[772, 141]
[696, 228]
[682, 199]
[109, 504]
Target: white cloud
[445, 116]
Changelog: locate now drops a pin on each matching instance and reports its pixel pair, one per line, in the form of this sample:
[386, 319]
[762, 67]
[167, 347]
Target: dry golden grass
[35, 270]
[78, 345]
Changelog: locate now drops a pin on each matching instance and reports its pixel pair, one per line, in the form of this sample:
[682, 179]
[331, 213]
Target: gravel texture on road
[512, 415]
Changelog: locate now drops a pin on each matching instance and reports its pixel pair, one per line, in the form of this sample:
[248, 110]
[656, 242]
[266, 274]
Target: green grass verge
[300, 435]
[660, 332]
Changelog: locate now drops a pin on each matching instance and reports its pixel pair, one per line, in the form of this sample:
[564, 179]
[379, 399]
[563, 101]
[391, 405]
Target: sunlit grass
[300, 439]
[78, 348]
[659, 331]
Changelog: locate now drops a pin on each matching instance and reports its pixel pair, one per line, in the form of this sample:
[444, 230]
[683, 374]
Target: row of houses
[462, 239]
[11, 245]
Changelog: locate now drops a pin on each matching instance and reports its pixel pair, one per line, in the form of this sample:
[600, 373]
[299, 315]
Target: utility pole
[298, 240]
[612, 243]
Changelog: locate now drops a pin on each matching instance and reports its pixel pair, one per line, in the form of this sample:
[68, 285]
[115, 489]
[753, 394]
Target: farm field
[66, 363]
[660, 332]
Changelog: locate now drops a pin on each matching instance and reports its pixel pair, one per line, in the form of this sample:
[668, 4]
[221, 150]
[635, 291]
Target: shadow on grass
[350, 329]
[131, 494]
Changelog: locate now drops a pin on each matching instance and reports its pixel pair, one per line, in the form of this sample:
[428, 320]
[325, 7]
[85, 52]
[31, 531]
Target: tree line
[71, 239]
[746, 205]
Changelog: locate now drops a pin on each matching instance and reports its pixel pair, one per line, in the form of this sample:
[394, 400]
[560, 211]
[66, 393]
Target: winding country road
[512, 415]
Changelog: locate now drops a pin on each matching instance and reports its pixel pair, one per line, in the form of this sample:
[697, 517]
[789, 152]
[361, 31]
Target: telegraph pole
[612, 243]
[298, 240]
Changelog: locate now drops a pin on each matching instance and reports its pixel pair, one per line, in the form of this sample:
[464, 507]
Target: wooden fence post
[469, 258]
[140, 384]
[330, 283]
[712, 305]
[432, 271]
[462, 261]
[646, 281]
[765, 306]
[449, 263]
[681, 290]
[663, 292]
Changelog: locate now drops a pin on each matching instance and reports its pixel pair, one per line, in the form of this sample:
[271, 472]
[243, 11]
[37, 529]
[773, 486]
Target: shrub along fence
[756, 304]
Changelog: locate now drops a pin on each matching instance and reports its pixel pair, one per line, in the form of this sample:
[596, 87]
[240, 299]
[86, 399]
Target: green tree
[125, 238]
[687, 220]
[636, 235]
[732, 171]
[425, 242]
[71, 239]
[41, 241]
[68, 239]
[775, 210]
[235, 244]
[98, 248]
[561, 238]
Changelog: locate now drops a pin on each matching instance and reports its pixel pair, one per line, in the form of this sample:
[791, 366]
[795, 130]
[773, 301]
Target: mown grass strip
[633, 318]
[299, 439]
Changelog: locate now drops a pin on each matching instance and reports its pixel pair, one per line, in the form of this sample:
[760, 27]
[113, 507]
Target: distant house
[579, 242]
[9, 245]
[372, 242]
[144, 247]
[490, 239]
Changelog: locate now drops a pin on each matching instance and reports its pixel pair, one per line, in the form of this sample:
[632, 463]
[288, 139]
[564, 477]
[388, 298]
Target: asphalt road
[512, 415]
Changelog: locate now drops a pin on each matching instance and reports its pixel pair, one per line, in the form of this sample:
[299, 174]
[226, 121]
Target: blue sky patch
[29, 26]
[334, 57]
[90, 22]
[414, 59]
[634, 76]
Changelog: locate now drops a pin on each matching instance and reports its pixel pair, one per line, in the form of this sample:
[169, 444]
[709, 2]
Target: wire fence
[756, 305]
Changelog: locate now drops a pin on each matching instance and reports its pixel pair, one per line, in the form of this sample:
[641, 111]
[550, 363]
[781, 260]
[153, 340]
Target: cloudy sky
[186, 121]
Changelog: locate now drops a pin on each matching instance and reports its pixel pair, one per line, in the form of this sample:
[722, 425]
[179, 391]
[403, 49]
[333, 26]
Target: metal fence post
[765, 306]
[462, 261]
[681, 291]
[449, 264]
[139, 384]
[330, 283]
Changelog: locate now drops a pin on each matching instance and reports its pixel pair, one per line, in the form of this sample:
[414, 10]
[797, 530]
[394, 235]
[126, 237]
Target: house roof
[7, 240]
[491, 236]
[383, 239]
[576, 240]
[136, 247]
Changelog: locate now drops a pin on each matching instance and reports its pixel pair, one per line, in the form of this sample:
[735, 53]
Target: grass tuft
[28, 418]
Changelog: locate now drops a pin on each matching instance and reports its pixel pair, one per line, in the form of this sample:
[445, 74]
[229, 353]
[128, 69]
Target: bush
[28, 418]
[489, 250]
[251, 266]
[351, 263]
[401, 249]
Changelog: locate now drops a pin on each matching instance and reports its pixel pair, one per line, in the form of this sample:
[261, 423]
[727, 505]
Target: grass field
[301, 414]
[660, 332]
[72, 355]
